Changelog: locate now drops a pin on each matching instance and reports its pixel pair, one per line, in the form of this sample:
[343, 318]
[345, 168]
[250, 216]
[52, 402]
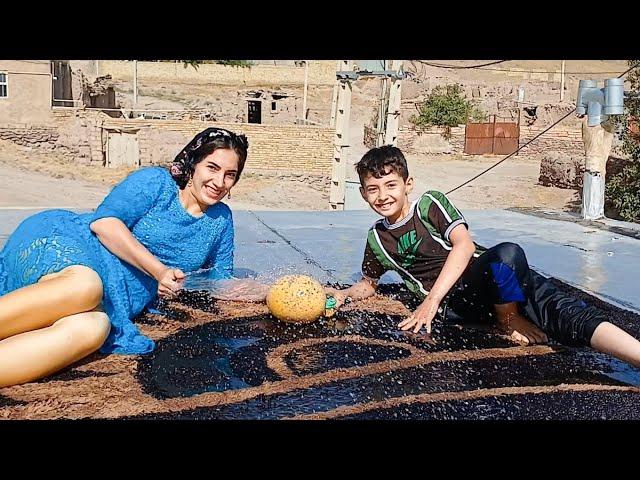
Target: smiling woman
[72, 283]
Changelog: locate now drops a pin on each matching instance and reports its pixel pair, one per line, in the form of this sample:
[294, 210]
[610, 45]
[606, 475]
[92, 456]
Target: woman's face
[214, 176]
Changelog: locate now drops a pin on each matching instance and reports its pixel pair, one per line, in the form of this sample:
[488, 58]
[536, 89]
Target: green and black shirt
[416, 246]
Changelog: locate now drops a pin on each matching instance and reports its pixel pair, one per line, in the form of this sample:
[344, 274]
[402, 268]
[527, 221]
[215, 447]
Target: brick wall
[559, 139]
[80, 133]
[429, 140]
[273, 149]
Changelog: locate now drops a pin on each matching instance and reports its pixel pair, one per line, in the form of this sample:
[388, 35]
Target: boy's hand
[423, 315]
[339, 295]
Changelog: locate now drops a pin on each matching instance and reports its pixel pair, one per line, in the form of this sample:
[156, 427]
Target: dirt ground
[514, 183]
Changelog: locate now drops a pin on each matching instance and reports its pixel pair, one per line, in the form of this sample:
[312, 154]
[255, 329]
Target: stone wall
[30, 136]
[321, 72]
[557, 169]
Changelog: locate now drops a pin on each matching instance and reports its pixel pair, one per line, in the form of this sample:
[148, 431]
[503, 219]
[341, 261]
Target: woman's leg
[74, 289]
[32, 355]
[48, 325]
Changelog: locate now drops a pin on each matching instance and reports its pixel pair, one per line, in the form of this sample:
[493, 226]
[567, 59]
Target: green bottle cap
[331, 303]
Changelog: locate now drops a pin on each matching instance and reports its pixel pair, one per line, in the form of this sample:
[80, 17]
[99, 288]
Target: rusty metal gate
[492, 138]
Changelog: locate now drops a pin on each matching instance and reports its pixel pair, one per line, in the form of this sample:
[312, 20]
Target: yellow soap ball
[296, 299]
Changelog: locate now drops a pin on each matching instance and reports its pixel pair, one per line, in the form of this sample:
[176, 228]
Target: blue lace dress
[147, 202]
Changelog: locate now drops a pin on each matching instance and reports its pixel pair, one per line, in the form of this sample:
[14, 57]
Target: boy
[428, 244]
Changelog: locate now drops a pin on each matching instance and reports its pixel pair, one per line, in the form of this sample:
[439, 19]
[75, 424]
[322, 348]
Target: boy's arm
[372, 270]
[455, 265]
[358, 291]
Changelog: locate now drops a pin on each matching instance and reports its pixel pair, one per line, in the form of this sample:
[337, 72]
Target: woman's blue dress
[147, 202]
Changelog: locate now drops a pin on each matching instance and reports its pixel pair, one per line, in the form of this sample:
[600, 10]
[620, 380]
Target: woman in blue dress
[71, 284]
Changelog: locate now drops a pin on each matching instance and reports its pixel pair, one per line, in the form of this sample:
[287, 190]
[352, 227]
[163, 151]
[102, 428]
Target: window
[4, 92]
[254, 113]
[273, 106]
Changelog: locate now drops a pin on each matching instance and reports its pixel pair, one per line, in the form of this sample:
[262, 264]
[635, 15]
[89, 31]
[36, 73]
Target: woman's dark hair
[203, 145]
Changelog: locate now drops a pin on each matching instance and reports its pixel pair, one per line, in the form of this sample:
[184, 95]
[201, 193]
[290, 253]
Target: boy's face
[387, 195]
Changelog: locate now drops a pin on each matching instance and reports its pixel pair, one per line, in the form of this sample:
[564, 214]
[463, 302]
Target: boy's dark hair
[381, 161]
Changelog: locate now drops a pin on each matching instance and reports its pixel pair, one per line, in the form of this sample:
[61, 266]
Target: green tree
[446, 106]
[623, 190]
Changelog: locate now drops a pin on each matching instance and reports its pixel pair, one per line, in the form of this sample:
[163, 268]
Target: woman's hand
[239, 290]
[170, 282]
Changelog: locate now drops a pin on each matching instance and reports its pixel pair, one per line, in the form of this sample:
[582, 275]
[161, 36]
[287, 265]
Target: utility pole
[595, 105]
[334, 100]
[393, 110]
[341, 113]
[304, 95]
[135, 83]
[597, 146]
[341, 139]
[382, 110]
[562, 81]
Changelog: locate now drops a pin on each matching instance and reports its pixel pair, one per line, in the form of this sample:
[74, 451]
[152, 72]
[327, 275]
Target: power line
[546, 71]
[460, 67]
[534, 138]
[511, 154]
[483, 67]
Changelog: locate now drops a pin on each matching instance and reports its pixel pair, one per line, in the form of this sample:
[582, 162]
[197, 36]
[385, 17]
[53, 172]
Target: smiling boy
[428, 243]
